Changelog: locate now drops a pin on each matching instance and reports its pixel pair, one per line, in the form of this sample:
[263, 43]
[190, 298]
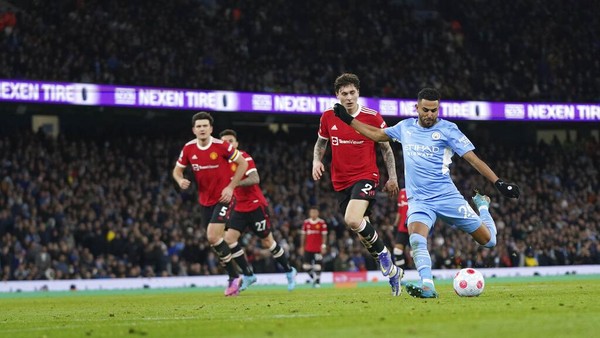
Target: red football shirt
[313, 231]
[402, 210]
[211, 167]
[353, 155]
[250, 197]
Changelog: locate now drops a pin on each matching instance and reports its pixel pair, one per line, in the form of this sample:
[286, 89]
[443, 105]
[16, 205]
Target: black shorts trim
[402, 238]
[218, 213]
[361, 190]
[257, 220]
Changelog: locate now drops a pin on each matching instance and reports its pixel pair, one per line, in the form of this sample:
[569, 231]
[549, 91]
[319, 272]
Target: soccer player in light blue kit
[428, 144]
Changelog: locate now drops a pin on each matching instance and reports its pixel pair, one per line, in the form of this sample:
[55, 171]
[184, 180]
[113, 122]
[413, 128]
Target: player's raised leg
[483, 237]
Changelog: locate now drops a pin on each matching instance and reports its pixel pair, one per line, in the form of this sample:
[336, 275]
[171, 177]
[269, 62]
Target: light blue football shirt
[427, 156]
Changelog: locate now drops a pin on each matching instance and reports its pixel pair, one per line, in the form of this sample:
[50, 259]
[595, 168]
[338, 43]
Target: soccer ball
[468, 283]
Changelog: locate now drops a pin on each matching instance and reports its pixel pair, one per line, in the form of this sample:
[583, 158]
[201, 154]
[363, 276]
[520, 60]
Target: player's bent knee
[306, 266]
[491, 243]
[267, 242]
[230, 239]
[213, 239]
[353, 223]
[317, 267]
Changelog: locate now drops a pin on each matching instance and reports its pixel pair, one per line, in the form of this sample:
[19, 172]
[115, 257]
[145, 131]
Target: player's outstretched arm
[374, 133]
[509, 190]
[318, 168]
[391, 186]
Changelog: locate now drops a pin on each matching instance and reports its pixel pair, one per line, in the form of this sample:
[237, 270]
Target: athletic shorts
[452, 209]
[313, 257]
[402, 237]
[361, 190]
[218, 213]
[257, 220]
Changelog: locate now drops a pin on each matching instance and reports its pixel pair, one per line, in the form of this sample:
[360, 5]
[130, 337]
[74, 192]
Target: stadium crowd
[474, 50]
[99, 208]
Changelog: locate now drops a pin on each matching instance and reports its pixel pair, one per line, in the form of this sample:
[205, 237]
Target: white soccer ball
[468, 283]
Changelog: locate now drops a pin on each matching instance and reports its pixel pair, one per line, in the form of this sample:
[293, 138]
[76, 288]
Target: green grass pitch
[564, 306]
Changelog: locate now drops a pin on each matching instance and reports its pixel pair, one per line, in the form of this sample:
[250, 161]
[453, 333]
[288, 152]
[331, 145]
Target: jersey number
[261, 226]
[223, 212]
[366, 188]
[467, 211]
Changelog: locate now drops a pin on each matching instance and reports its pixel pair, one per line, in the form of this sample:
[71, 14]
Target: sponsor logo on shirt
[197, 167]
[335, 141]
[420, 150]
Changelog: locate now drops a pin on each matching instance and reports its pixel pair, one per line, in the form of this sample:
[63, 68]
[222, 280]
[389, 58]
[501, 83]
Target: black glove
[340, 111]
[509, 190]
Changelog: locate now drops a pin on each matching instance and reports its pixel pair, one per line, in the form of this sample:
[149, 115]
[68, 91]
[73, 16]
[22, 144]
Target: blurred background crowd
[100, 205]
[97, 208]
[473, 50]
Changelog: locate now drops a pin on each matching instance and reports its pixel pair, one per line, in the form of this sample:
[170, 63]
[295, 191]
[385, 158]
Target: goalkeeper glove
[340, 111]
[509, 190]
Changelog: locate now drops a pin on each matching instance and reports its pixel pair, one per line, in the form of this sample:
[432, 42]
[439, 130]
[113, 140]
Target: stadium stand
[474, 50]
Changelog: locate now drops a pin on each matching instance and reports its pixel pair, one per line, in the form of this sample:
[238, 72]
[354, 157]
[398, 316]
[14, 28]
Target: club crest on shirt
[213, 156]
[233, 166]
[436, 135]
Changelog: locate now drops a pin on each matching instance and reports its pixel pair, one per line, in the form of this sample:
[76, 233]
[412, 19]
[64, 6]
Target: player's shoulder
[245, 155]
[328, 113]
[217, 140]
[368, 111]
[218, 143]
[191, 143]
[445, 124]
[411, 121]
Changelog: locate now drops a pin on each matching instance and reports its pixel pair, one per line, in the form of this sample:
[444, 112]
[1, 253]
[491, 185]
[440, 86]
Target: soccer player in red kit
[354, 172]
[313, 243]
[250, 211]
[209, 158]
[401, 246]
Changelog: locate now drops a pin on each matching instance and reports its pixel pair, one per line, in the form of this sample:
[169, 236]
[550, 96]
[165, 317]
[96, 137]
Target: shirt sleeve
[395, 132]
[380, 122]
[323, 127]
[251, 164]
[458, 141]
[182, 161]
[231, 153]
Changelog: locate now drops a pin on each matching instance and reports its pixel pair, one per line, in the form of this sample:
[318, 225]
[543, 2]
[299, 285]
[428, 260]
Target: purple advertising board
[215, 100]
